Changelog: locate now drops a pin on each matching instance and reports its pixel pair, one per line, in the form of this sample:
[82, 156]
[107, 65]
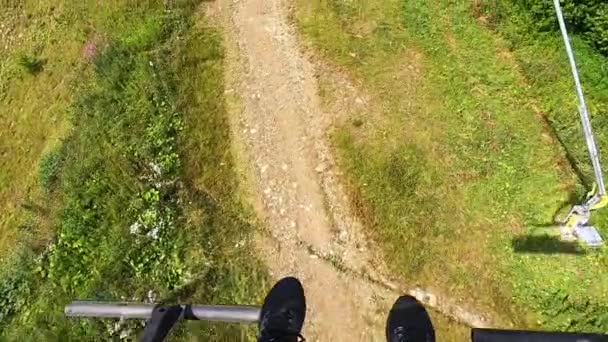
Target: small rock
[264, 168]
[284, 167]
[320, 168]
[424, 296]
[314, 256]
[292, 224]
[124, 334]
[135, 228]
[359, 100]
[267, 191]
[152, 296]
[253, 131]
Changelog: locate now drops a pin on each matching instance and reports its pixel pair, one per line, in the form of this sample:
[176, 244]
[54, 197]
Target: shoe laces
[400, 335]
[281, 320]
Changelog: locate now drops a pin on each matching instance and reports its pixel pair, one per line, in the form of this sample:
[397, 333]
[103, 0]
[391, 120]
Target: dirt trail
[282, 129]
[311, 232]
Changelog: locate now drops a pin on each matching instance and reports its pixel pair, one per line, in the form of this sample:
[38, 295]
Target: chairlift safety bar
[222, 313]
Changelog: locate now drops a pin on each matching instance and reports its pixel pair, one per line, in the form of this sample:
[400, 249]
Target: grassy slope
[542, 60]
[458, 166]
[148, 151]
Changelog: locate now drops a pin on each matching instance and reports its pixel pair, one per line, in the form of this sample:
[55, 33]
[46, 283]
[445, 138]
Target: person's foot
[408, 321]
[283, 312]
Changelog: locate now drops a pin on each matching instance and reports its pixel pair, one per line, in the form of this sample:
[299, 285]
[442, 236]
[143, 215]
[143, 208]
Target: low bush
[31, 64]
[586, 18]
[49, 168]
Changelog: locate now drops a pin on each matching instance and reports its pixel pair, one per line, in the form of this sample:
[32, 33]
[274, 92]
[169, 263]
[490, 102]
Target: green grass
[542, 60]
[458, 166]
[141, 195]
[34, 97]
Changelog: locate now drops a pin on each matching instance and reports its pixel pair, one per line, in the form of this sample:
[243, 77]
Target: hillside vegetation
[117, 180]
[587, 19]
[470, 149]
[137, 193]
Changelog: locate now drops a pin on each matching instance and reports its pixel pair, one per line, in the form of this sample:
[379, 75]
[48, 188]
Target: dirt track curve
[281, 129]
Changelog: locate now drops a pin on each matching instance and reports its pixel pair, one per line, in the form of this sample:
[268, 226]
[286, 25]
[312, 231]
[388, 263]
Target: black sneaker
[408, 321]
[283, 312]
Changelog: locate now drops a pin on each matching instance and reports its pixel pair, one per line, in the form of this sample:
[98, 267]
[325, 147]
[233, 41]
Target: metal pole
[222, 313]
[591, 146]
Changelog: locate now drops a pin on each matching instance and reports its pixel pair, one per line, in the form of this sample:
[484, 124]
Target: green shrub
[589, 18]
[32, 64]
[15, 285]
[49, 168]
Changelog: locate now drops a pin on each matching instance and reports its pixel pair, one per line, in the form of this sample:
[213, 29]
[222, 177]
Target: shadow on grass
[544, 244]
[574, 164]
